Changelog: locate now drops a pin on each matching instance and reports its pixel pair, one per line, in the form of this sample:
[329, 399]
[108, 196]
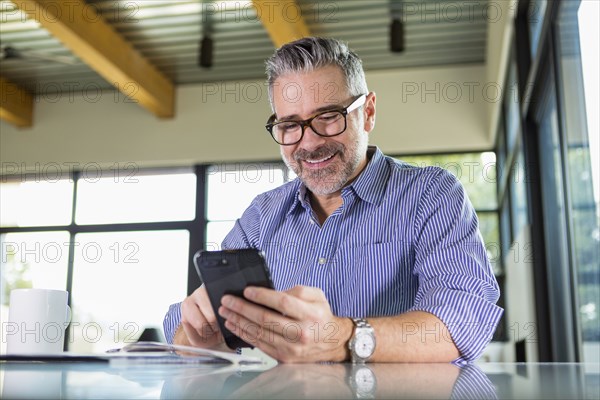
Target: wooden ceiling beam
[87, 34]
[16, 105]
[282, 19]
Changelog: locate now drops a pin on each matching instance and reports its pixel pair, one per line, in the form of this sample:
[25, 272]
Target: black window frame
[195, 227]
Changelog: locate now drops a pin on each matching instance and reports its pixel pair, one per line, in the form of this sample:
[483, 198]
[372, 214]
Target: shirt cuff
[471, 320]
[172, 321]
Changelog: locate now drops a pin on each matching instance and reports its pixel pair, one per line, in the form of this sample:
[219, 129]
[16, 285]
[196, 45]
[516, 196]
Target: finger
[282, 348]
[198, 328]
[196, 310]
[262, 337]
[192, 334]
[252, 312]
[287, 304]
[203, 302]
[245, 330]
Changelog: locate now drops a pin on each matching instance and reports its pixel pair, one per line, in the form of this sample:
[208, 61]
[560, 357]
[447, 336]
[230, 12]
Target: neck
[325, 205]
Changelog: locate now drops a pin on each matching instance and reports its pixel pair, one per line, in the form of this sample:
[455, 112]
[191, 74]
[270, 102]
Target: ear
[369, 112]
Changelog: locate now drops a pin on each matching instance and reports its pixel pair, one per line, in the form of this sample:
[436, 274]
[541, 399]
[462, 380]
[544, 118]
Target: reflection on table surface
[430, 381]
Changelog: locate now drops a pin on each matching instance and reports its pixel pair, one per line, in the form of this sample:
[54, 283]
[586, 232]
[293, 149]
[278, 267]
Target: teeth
[319, 161]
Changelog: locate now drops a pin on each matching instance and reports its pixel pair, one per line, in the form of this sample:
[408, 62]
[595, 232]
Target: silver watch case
[362, 344]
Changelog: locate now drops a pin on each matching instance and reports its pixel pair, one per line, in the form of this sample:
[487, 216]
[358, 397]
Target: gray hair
[311, 53]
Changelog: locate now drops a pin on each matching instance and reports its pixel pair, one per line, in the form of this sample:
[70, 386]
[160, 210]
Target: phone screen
[229, 272]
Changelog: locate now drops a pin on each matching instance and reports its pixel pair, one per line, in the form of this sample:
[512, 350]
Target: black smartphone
[229, 272]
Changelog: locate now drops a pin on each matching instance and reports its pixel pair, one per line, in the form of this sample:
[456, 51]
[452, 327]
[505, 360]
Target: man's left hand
[295, 325]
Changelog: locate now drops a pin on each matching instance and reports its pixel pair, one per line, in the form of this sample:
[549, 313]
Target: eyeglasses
[326, 124]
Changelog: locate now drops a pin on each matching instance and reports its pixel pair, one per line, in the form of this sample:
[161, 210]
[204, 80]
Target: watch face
[364, 346]
[364, 380]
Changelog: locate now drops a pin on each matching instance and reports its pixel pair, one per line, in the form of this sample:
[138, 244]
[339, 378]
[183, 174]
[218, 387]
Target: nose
[311, 140]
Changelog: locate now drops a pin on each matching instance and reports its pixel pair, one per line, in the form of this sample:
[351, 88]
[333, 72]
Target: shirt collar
[369, 185]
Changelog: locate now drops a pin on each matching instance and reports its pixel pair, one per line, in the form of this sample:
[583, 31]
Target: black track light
[205, 58]
[397, 36]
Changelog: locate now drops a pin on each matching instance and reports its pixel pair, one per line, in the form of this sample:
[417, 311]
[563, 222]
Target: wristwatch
[362, 382]
[362, 344]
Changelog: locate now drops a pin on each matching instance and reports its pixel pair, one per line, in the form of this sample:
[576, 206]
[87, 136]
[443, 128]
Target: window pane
[43, 203]
[216, 232]
[579, 64]
[145, 198]
[554, 214]
[586, 252]
[31, 260]
[34, 260]
[232, 187]
[535, 14]
[518, 192]
[476, 171]
[488, 225]
[124, 282]
[501, 152]
[505, 229]
[511, 107]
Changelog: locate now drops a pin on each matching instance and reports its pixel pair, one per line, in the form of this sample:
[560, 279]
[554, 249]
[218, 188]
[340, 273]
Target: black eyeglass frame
[358, 102]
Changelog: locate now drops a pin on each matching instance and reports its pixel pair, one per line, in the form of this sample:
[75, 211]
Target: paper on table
[146, 353]
[158, 351]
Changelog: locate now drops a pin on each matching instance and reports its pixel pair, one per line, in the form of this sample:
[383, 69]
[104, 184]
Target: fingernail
[249, 293]
[226, 300]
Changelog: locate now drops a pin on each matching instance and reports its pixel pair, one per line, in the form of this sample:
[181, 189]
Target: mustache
[324, 151]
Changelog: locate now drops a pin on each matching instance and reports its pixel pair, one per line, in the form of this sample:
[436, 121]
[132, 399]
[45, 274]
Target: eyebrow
[296, 117]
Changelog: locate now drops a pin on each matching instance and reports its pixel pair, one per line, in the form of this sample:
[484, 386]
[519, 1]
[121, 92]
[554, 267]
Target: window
[21, 202]
[231, 188]
[122, 281]
[557, 65]
[125, 228]
[136, 198]
[518, 195]
[578, 67]
[34, 259]
[535, 13]
[511, 108]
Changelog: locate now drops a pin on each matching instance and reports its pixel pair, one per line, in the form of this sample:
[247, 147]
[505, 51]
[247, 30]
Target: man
[372, 259]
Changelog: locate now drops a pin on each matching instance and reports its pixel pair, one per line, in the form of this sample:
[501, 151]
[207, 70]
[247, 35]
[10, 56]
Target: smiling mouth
[320, 162]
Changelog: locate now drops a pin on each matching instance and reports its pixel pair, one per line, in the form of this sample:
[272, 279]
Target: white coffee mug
[37, 320]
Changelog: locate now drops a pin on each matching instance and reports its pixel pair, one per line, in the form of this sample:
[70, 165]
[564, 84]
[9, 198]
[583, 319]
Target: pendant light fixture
[205, 52]
[396, 27]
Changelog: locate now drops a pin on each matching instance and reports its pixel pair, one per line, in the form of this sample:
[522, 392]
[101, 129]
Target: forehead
[321, 87]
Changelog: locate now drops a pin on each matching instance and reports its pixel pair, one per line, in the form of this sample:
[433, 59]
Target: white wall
[419, 110]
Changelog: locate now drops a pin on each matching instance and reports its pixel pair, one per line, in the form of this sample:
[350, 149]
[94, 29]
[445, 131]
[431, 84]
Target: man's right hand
[199, 326]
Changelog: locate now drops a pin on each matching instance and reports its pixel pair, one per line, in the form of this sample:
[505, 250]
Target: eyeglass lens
[327, 124]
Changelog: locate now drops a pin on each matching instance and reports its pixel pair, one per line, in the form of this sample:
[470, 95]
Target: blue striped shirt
[404, 239]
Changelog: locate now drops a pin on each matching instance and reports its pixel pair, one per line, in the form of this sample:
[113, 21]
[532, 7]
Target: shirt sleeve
[172, 321]
[245, 232]
[456, 281]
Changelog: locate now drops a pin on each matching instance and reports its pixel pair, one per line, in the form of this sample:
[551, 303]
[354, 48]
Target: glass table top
[82, 380]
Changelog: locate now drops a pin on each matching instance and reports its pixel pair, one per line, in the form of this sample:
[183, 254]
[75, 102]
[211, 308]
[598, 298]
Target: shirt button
[312, 222]
[322, 261]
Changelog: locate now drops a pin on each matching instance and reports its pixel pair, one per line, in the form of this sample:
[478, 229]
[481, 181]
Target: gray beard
[334, 177]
